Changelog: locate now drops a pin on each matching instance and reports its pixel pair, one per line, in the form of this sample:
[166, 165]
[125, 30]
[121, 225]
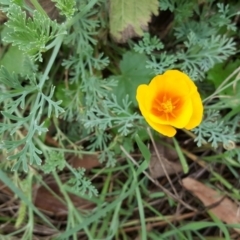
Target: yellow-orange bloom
[170, 101]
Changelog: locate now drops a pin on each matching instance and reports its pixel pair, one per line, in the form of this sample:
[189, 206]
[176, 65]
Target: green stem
[38, 7]
[59, 41]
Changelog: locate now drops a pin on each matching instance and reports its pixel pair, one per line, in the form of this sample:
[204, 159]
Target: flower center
[165, 106]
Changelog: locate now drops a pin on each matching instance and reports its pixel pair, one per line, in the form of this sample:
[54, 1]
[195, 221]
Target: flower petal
[183, 114]
[170, 101]
[178, 83]
[177, 89]
[144, 99]
[197, 115]
[184, 77]
[166, 130]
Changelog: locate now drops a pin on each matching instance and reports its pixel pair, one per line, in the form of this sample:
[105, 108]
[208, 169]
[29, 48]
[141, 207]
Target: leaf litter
[221, 206]
[167, 160]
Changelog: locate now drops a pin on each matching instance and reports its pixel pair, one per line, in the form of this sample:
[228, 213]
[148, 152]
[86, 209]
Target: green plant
[73, 80]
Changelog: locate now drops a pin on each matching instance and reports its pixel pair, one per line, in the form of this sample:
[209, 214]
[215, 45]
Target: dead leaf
[128, 18]
[47, 202]
[88, 161]
[168, 159]
[225, 209]
[51, 205]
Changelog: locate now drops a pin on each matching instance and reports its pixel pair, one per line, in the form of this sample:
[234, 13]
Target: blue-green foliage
[55, 161]
[27, 99]
[97, 86]
[81, 184]
[148, 44]
[14, 100]
[204, 45]
[215, 131]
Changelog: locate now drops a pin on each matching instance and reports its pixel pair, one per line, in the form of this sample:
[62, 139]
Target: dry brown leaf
[225, 209]
[88, 161]
[51, 205]
[168, 161]
[47, 202]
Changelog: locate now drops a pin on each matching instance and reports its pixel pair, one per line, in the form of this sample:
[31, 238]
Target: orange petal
[186, 78]
[172, 81]
[197, 115]
[176, 85]
[182, 115]
[146, 94]
[166, 130]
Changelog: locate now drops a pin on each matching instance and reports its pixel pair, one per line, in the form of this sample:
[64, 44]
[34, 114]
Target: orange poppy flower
[170, 101]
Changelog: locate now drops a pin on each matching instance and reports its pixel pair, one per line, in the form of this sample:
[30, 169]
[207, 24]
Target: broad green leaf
[128, 18]
[15, 55]
[133, 74]
[220, 72]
